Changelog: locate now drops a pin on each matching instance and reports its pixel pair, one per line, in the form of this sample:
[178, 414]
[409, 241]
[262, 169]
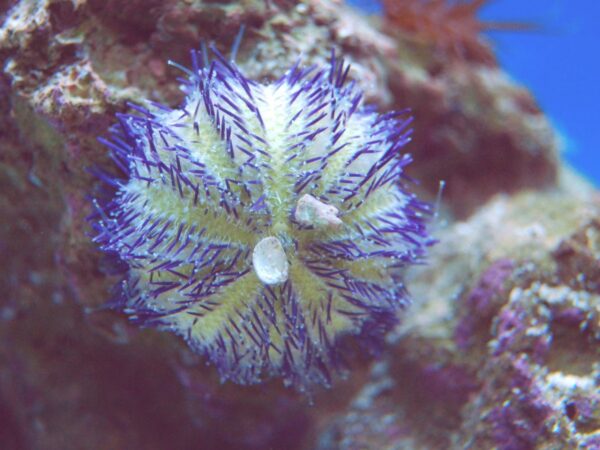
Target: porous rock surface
[500, 349]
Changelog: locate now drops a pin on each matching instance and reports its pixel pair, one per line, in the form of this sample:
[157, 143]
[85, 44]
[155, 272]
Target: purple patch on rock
[510, 324]
[452, 383]
[520, 421]
[592, 443]
[570, 316]
[479, 305]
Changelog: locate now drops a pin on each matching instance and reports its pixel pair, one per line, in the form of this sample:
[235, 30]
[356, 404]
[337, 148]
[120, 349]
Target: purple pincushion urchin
[263, 222]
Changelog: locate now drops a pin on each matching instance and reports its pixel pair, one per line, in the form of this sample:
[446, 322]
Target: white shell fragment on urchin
[263, 222]
[270, 262]
[312, 212]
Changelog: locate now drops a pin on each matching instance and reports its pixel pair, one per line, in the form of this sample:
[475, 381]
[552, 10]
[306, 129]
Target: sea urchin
[262, 222]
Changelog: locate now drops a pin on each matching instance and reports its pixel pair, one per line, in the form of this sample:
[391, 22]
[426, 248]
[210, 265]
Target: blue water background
[559, 61]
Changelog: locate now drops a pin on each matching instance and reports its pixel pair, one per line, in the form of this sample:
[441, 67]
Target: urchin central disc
[270, 261]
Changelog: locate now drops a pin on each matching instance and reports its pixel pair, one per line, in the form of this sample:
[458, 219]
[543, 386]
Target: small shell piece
[313, 212]
[270, 261]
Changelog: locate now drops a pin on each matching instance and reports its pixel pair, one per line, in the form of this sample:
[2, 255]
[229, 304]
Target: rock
[503, 344]
[477, 131]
